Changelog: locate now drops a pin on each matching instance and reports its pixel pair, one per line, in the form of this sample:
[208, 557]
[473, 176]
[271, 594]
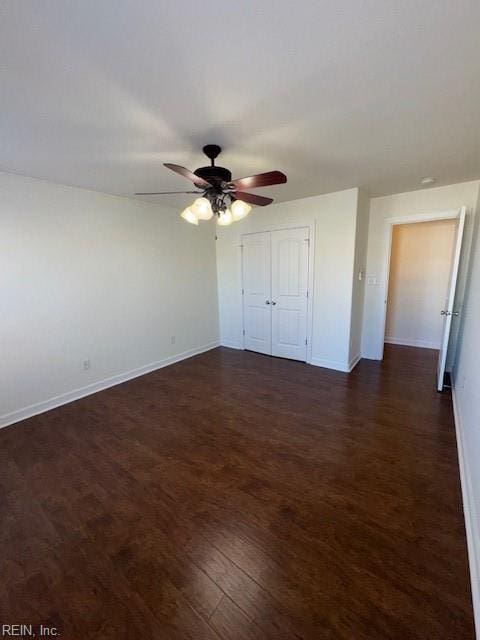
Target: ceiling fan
[219, 194]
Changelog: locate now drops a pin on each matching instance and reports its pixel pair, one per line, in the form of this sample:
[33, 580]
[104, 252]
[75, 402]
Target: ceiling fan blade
[200, 182]
[260, 180]
[252, 198]
[162, 193]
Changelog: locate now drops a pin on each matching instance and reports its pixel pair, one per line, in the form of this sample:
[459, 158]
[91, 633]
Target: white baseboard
[231, 345]
[346, 367]
[370, 356]
[469, 511]
[353, 362]
[76, 394]
[317, 362]
[424, 344]
[331, 364]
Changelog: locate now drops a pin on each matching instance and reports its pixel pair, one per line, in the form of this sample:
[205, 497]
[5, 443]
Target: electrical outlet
[172, 340]
[86, 365]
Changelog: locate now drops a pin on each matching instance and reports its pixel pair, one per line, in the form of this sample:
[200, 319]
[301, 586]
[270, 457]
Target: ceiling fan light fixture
[240, 209]
[202, 209]
[217, 190]
[225, 218]
[188, 215]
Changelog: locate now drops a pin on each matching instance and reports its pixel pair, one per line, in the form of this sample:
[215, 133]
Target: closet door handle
[274, 303]
[267, 301]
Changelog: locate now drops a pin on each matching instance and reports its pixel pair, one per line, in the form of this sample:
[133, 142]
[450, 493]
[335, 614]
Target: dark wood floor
[239, 496]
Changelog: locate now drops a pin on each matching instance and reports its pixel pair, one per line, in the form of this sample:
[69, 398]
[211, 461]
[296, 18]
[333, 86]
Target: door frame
[389, 224]
[311, 270]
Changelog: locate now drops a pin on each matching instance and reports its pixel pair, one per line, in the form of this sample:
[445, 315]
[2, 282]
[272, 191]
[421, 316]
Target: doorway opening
[424, 257]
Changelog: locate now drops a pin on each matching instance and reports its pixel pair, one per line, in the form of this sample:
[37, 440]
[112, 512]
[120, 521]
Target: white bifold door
[257, 321]
[275, 292]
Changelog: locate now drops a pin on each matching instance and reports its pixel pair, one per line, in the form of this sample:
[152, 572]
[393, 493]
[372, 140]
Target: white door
[449, 310]
[256, 292]
[289, 298]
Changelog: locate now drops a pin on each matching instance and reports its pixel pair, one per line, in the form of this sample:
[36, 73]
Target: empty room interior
[239, 320]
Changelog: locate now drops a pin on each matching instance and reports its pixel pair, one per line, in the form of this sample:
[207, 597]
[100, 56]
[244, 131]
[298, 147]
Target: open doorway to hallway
[420, 261]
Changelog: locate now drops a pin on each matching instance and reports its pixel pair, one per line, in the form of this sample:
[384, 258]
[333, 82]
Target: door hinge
[307, 294]
[307, 240]
[305, 341]
[244, 332]
[243, 292]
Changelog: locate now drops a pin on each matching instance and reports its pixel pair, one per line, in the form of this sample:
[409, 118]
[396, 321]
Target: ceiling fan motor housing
[215, 175]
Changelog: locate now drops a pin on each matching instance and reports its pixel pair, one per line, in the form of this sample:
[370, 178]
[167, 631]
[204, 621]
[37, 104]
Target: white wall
[420, 266]
[359, 270]
[399, 205]
[466, 394]
[334, 219]
[85, 275]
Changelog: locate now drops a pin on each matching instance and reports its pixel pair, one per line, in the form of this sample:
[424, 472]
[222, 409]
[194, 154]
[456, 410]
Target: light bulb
[202, 209]
[189, 216]
[240, 209]
[225, 218]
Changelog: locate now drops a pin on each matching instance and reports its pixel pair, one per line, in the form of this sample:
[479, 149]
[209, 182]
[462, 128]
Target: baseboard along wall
[424, 344]
[472, 524]
[95, 387]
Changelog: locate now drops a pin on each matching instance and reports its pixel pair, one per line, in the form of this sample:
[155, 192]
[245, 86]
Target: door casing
[389, 224]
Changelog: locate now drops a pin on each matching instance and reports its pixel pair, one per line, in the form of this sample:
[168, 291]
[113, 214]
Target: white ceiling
[370, 93]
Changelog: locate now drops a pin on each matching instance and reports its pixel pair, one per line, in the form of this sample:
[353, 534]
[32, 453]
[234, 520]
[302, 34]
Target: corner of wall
[359, 266]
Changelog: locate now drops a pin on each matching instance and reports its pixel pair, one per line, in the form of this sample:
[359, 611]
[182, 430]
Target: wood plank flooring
[239, 496]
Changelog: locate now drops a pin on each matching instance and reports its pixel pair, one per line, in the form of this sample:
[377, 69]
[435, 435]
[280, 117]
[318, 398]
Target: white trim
[469, 511]
[232, 345]
[312, 234]
[95, 387]
[424, 217]
[353, 362]
[316, 362]
[330, 364]
[424, 344]
[387, 243]
[345, 367]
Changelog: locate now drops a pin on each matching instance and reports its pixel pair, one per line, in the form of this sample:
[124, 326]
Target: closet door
[289, 300]
[256, 292]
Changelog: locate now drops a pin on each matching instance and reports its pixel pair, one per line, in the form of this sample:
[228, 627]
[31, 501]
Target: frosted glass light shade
[225, 218]
[202, 209]
[240, 209]
[189, 216]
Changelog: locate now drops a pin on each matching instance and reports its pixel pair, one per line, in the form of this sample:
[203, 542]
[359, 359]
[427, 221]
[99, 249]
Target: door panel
[256, 266]
[448, 311]
[289, 273]
[288, 321]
